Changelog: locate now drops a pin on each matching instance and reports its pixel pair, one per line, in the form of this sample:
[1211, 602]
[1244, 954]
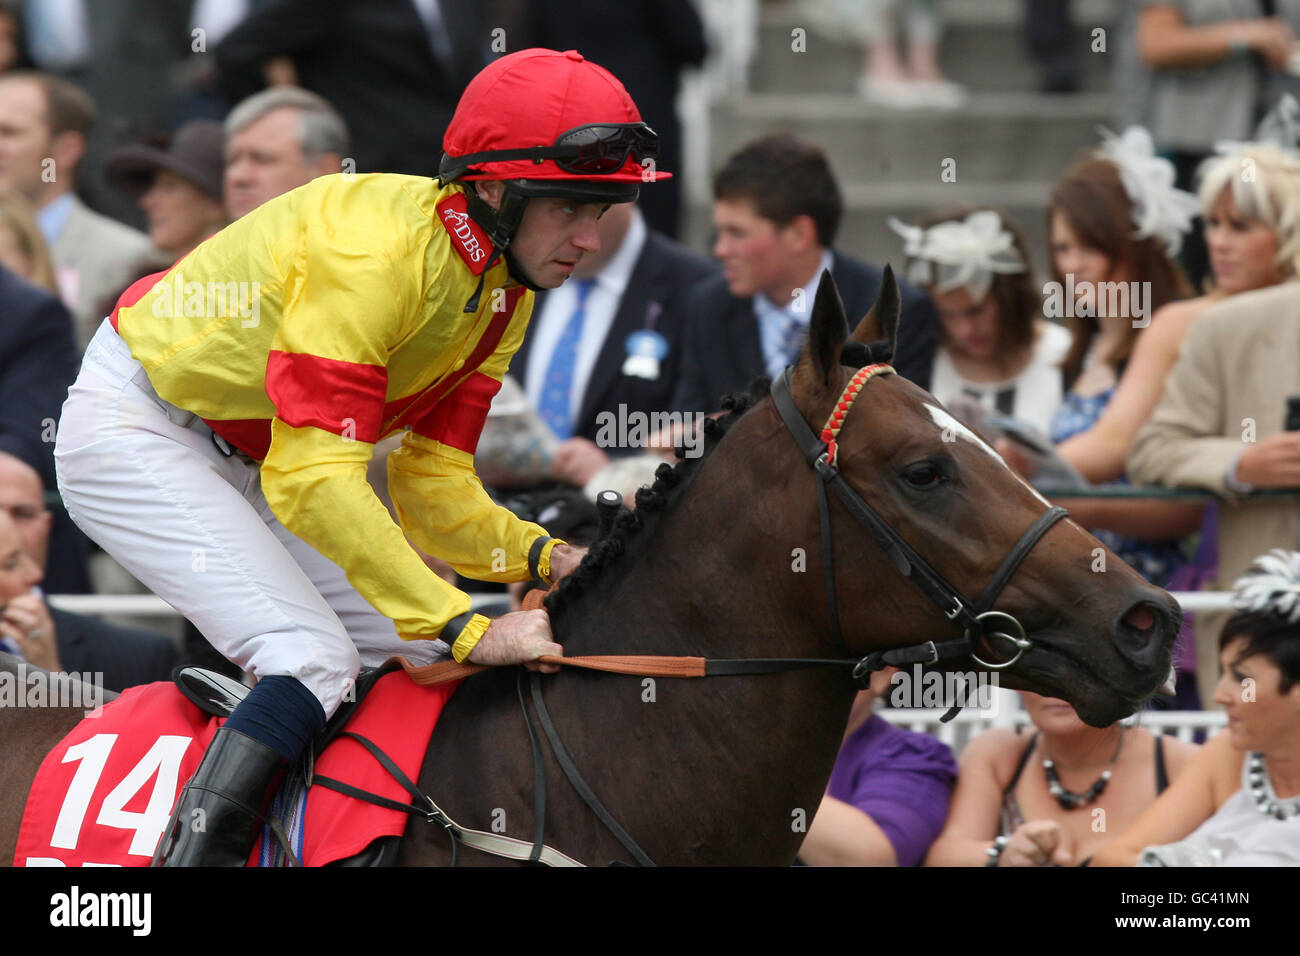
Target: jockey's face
[553, 237]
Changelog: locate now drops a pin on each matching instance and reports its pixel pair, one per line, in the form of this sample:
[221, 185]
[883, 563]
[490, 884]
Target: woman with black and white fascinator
[995, 347]
[1238, 802]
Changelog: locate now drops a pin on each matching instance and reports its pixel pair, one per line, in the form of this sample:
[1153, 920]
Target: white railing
[958, 732]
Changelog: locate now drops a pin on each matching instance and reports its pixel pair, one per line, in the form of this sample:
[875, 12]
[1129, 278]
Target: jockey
[217, 438]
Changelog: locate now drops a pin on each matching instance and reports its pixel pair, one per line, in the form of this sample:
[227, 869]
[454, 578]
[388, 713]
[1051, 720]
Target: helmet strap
[517, 273]
[501, 224]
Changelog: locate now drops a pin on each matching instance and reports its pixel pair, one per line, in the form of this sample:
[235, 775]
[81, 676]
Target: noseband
[977, 619]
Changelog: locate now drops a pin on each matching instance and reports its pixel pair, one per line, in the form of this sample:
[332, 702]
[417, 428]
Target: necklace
[1068, 799]
[1261, 791]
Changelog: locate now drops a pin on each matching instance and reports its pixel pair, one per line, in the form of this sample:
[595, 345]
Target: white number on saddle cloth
[162, 762]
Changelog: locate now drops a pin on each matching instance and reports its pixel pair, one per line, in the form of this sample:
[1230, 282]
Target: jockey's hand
[519, 637]
[564, 558]
[1038, 843]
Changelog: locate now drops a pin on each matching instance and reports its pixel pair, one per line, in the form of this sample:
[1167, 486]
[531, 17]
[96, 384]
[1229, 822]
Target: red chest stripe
[467, 236]
[344, 398]
[458, 421]
[420, 409]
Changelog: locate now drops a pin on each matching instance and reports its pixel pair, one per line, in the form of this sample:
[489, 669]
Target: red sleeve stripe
[344, 398]
[136, 291]
[458, 419]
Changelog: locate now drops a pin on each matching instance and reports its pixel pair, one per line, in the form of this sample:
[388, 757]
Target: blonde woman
[22, 247]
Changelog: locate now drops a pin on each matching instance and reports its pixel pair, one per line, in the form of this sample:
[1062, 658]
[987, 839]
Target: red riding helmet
[548, 124]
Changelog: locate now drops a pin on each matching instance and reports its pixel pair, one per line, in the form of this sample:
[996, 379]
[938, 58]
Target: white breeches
[146, 480]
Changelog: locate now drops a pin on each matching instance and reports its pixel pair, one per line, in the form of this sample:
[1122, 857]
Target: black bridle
[975, 618]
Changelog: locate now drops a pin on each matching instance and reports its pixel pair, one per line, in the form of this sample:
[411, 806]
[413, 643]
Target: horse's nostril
[1141, 618]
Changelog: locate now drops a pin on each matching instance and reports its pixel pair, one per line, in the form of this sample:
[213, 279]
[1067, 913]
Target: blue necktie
[557, 388]
[792, 338]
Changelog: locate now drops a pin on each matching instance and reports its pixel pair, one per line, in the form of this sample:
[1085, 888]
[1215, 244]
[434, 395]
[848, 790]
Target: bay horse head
[1069, 618]
[1097, 634]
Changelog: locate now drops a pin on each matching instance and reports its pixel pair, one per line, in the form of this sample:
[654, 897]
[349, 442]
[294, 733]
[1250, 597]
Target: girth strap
[571, 771]
[423, 806]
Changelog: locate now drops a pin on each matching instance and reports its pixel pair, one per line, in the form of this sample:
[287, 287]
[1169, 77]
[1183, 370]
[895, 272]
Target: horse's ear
[881, 322]
[827, 330]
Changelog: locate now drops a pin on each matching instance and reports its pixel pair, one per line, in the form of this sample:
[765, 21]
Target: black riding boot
[232, 788]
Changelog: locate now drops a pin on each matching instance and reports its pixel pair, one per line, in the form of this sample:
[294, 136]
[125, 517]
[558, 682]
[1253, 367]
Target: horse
[725, 556]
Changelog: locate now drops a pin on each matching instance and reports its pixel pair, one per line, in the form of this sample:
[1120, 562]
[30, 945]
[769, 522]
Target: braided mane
[670, 480]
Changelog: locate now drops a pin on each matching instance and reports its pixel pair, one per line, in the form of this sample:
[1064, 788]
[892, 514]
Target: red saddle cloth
[103, 796]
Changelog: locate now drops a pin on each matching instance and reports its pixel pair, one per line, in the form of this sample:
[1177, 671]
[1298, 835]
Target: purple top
[901, 779]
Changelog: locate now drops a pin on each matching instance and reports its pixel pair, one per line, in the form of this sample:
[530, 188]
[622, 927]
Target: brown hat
[196, 154]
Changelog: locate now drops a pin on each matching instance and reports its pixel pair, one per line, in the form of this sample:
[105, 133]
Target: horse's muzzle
[1144, 634]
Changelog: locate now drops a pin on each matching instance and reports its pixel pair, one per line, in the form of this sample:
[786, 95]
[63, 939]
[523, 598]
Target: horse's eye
[924, 474]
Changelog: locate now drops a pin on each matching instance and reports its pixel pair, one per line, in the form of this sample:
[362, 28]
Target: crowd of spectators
[1162, 349]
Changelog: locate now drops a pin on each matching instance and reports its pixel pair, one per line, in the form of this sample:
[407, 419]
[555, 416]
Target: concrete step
[1008, 137]
[983, 46]
[864, 233]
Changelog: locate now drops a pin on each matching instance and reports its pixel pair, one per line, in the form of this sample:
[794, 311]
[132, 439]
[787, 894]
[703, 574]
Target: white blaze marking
[946, 421]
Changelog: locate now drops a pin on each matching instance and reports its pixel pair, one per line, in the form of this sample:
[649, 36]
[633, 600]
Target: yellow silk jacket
[349, 309]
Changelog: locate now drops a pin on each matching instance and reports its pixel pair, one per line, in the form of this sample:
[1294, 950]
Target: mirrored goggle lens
[604, 149]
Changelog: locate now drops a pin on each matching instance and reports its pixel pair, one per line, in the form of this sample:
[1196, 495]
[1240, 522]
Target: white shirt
[601, 306]
[1034, 394]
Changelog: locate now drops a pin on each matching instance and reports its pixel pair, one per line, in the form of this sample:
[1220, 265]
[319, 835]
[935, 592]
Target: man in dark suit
[45, 636]
[38, 361]
[776, 209]
[627, 348]
[393, 68]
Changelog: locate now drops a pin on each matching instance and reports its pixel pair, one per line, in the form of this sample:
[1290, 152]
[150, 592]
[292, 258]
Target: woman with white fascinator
[1115, 223]
[995, 347]
[1238, 801]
